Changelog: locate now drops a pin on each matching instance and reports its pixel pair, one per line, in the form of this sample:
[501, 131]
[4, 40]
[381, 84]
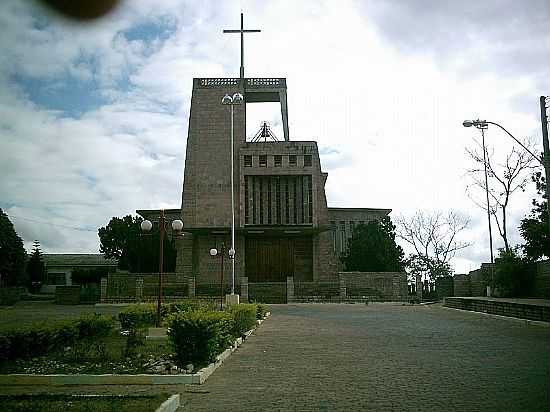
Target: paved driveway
[382, 357]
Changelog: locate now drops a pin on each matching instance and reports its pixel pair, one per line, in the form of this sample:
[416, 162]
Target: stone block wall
[131, 287]
[390, 286]
[462, 285]
[503, 308]
[444, 286]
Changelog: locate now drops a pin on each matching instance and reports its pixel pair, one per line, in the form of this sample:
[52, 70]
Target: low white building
[59, 267]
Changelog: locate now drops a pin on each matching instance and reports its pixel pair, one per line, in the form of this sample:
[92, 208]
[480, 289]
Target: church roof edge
[250, 83]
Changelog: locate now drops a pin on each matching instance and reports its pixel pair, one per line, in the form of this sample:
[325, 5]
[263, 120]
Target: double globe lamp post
[235, 99]
[177, 227]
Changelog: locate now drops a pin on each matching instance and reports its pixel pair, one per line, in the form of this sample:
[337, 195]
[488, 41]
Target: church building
[283, 226]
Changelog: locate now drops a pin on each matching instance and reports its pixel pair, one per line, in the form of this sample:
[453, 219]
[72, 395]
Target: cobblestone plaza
[383, 357]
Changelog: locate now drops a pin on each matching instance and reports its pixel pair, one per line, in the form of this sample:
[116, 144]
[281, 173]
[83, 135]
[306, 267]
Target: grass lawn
[101, 356]
[26, 312]
[62, 403]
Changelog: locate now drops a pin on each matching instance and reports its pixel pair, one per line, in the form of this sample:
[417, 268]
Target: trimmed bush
[199, 336]
[145, 315]
[94, 326]
[138, 316]
[261, 311]
[168, 309]
[244, 316]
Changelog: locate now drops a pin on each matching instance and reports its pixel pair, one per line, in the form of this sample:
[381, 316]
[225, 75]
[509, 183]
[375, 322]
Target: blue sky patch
[148, 31]
[73, 97]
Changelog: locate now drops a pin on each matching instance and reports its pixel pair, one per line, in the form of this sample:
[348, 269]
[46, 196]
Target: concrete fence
[350, 286]
[138, 287]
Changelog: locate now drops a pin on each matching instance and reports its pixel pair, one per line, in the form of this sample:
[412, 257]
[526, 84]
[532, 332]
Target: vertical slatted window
[295, 200]
[310, 199]
[261, 202]
[278, 198]
[287, 205]
[342, 237]
[246, 201]
[302, 200]
[333, 230]
[253, 200]
[269, 200]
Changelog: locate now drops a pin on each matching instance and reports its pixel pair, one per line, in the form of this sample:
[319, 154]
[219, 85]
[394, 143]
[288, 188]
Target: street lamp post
[482, 127]
[177, 227]
[236, 99]
[544, 160]
[214, 252]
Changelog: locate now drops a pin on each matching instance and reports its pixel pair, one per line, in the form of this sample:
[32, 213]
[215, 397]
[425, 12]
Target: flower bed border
[117, 379]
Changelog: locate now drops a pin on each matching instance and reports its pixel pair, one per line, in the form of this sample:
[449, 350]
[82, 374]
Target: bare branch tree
[434, 237]
[504, 179]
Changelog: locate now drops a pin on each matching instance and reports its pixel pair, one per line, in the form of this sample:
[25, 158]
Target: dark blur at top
[81, 10]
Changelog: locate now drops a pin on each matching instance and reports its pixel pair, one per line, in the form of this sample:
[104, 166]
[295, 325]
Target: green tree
[122, 239]
[12, 254]
[514, 274]
[36, 271]
[534, 228]
[372, 248]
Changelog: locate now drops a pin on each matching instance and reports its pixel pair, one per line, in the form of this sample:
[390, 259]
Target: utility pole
[544, 124]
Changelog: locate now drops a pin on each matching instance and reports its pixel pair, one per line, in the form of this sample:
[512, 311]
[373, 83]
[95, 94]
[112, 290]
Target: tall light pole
[236, 99]
[546, 157]
[544, 160]
[482, 127]
[177, 227]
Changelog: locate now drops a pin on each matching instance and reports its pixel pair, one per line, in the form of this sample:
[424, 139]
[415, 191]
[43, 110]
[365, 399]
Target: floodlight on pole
[482, 125]
[543, 160]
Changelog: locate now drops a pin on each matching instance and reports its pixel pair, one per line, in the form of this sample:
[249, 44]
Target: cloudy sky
[93, 117]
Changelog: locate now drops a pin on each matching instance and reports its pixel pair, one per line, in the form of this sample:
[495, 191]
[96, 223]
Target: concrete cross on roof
[242, 31]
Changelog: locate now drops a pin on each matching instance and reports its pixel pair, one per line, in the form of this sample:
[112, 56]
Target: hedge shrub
[198, 336]
[261, 311]
[35, 340]
[145, 315]
[168, 309]
[138, 316]
[94, 326]
[244, 316]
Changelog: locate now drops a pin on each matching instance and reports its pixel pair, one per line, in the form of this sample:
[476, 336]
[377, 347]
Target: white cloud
[374, 82]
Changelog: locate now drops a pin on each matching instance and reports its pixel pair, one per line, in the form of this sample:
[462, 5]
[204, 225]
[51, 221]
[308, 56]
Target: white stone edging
[117, 379]
[170, 405]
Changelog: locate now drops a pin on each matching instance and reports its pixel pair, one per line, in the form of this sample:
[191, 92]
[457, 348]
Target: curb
[170, 405]
[110, 379]
[510, 318]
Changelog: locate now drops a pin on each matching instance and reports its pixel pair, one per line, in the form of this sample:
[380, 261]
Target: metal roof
[77, 259]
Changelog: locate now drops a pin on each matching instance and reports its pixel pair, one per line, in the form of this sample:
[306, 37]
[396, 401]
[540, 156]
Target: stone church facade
[283, 227]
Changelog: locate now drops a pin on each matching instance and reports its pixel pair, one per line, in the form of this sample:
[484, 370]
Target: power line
[51, 224]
